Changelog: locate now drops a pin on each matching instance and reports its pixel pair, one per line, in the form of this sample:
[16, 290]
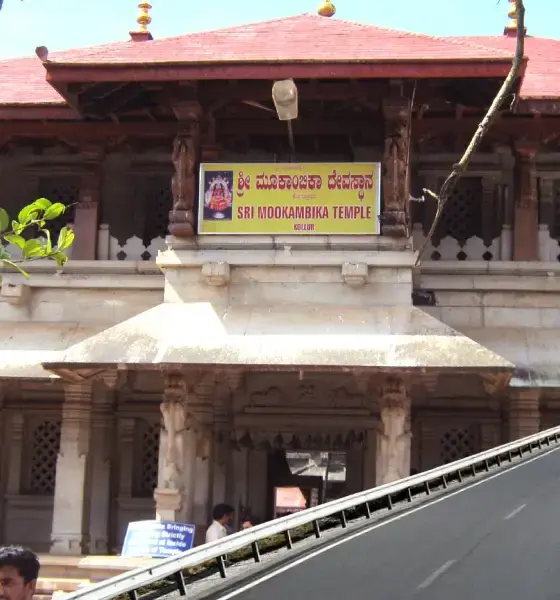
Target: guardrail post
[316, 529]
[256, 551]
[180, 580]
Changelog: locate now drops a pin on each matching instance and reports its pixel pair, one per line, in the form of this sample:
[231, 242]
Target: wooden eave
[38, 112]
[64, 73]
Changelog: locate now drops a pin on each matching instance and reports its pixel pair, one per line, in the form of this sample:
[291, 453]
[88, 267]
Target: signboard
[289, 198]
[157, 539]
[288, 500]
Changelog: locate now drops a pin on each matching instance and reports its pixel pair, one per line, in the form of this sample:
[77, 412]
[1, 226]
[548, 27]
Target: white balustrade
[109, 248]
[474, 248]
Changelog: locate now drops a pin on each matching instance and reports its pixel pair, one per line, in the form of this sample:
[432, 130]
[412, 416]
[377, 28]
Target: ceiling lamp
[285, 97]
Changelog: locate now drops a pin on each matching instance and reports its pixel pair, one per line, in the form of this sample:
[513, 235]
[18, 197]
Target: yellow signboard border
[276, 234]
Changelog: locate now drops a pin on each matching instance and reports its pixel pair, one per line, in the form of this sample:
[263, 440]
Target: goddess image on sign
[218, 195]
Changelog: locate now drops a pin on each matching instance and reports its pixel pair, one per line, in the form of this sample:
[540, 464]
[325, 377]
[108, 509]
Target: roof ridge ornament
[326, 9]
[511, 28]
[144, 19]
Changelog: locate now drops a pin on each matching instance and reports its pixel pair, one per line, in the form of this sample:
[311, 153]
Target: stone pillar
[393, 445]
[523, 413]
[396, 174]
[176, 454]
[526, 222]
[86, 212]
[72, 494]
[370, 458]
[102, 454]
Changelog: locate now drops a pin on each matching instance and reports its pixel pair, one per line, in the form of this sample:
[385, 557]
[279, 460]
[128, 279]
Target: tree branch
[459, 168]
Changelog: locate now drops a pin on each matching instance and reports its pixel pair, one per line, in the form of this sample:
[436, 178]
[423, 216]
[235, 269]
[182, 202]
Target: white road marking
[437, 573]
[514, 512]
[358, 534]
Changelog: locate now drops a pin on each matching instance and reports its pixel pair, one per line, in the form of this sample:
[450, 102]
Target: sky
[62, 24]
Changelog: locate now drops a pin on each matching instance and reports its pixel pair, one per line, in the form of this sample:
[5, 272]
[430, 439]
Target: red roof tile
[302, 38]
[22, 81]
[542, 76]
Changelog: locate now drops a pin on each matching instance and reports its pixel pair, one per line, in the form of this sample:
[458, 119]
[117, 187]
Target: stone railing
[549, 248]
[473, 249]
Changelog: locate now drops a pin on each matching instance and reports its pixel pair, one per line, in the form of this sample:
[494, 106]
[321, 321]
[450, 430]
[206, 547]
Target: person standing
[222, 516]
[19, 571]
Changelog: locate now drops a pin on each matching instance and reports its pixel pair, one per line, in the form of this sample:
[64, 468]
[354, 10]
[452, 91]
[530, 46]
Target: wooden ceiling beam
[510, 128]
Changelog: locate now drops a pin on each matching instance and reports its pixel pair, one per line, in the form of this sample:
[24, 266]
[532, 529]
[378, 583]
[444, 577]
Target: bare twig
[459, 168]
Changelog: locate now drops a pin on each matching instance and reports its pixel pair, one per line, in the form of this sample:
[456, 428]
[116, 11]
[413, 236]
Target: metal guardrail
[383, 496]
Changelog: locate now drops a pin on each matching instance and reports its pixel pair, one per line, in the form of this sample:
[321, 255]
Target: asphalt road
[496, 540]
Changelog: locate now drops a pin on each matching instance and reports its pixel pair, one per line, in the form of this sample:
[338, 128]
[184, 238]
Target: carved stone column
[523, 413]
[393, 445]
[102, 457]
[186, 151]
[174, 494]
[86, 212]
[396, 175]
[526, 223]
[71, 497]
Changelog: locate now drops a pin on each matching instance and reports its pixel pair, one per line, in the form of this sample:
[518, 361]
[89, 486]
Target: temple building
[242, 312]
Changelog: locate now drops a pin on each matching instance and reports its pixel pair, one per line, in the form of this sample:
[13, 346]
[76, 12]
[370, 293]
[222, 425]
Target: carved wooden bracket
[496, 383]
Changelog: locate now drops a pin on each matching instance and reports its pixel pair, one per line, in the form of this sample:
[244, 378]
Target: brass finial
[326, 9]
[142, 34]
[144, 18]
[511, 28]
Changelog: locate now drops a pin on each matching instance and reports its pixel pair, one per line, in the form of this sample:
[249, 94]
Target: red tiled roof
[302, 38]
[542, 76]
[295, 39]
[23, 81]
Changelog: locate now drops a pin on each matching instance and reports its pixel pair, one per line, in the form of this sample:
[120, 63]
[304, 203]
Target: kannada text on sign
[290, 198]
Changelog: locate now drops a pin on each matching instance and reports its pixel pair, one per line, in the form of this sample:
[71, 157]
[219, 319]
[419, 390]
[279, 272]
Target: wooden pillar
[396, 174]
[526, 222]
[185, 157]
[86, 212]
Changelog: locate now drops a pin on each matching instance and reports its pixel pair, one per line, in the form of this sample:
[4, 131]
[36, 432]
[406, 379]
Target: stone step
[49, 587]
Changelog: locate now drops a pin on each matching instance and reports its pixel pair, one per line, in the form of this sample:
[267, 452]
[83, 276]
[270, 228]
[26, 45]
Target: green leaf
[27, 214]
[59, 257]
[4, 220]
[42, 203]
[17, 228]
[54, 211]
[48, 243]
[4, 253]
[9, 263]
[65, 238]
[33, 249]
[16, 240]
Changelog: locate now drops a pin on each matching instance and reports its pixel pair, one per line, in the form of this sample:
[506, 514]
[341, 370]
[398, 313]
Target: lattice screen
[462, 215]
[45, 445]
[159, 202]
[456, 444]
[146, 458]
[63, 189]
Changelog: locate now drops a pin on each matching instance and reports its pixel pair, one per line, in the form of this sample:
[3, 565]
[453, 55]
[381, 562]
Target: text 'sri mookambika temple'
[242, 312]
